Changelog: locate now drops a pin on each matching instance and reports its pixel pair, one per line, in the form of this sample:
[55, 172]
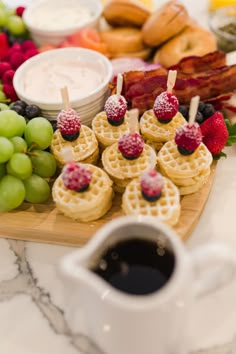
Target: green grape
[16, 25]
[38, 132]
[37, 190]
[21, 126]
[3, 107]
[11, 124]
[3, 17]
[19, 144]
[2, 170]
[12, 193]
[44, 163]
[3, 97]
[19, 166]
[6, 149]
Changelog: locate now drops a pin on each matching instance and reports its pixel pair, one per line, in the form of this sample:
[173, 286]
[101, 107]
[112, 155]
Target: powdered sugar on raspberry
[115, 107]
[131, 145]
[188, 136]
[68, 121]
[151, 183]
[76, 176]
[165, 106]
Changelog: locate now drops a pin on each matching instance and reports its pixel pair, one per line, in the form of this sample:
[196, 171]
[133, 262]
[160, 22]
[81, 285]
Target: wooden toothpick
[133, 120]
[119, 84]
[172, 74]
[65, 98]
[193, 109]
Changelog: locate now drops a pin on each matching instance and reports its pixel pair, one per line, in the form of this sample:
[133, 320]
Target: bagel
[165, 23]
[125, 13]
[123, 40]
[193, 41]
[141, 54]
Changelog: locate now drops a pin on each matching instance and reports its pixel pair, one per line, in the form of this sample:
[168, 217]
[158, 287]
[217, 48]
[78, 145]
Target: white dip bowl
[51, 21]
[84, 72]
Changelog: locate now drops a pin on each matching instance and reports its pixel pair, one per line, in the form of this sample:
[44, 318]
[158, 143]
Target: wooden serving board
[43, 223]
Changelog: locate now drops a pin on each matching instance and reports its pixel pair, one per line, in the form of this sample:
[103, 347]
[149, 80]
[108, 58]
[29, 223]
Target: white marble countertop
[31, 301]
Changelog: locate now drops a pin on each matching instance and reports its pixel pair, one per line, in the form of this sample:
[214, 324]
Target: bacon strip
[141, 88]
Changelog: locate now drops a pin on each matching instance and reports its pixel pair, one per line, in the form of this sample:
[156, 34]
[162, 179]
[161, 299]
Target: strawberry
[4, 45]
[215, 133]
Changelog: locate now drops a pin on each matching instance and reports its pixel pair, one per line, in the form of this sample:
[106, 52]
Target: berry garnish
[18, 109]
[208, 110]
[151, 183]
[199, 117]
[115, 108]
[76, 176]
[188, 138]
[69, 124]
[28, 44]
[4, 67]
[131, 145]
[32, 111]
[184, 111]
[16, 59]
[165, 107]
[8, 76]
[10, 92]
[215, 133]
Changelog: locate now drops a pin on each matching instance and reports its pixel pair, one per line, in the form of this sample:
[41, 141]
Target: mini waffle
[122, 170]
[83, 149]
[88, 205]
[166, 208]
[177, 165]
[153, 130]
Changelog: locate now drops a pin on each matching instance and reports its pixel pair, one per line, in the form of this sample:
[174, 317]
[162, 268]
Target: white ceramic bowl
[87, 105]
[60, 24]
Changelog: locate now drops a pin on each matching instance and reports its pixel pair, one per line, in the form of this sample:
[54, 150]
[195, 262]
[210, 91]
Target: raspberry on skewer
[166, 104]
[76, 177]
[189, 136]
[116, 105]
[131, 144]
[151, 183]
[68, 120]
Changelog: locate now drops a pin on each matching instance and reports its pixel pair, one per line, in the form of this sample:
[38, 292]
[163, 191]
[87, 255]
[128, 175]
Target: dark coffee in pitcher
[136, 266]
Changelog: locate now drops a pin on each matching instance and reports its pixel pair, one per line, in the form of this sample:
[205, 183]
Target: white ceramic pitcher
[120, 323]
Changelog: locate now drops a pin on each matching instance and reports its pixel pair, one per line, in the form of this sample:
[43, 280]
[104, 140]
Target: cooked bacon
[141, 88]
[195, 64]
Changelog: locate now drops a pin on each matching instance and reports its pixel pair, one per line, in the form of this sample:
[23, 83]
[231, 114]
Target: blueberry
[201, 106]
[199, 117]
[184, 151]
[208, 111]
[18, 109]
[184, 111]
[54, 124]
[20, 103]
[71, 137]
[32, 111]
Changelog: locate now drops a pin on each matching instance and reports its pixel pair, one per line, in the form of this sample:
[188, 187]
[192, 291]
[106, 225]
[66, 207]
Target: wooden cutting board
[43, 223]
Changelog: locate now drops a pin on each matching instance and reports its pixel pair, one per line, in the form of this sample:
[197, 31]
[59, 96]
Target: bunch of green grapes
[25, 166]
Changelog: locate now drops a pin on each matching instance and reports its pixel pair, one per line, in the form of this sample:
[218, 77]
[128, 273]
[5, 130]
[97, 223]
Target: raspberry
[8, 76]
[188, 138]
[16, 59]
[10, 92]
[131, 145]
[115, 108]
[69, 124]
[20, 10]
[28, 44]
[151, 183]
[76, 177]
[31, 53]
[165, 107]
[4, 66]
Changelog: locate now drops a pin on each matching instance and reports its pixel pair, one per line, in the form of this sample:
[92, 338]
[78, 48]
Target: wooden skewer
[193, 109]
[65, 98]
[172, 74]
[119, 84]
[133, 120]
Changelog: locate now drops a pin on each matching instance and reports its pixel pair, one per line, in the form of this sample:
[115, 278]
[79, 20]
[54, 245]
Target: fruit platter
[77, 151]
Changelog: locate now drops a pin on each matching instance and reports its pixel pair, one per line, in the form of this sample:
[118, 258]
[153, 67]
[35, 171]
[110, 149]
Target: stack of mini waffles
[151, 163]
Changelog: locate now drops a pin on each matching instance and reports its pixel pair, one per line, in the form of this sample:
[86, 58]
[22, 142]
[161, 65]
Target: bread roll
[193, 41]
[165, 23]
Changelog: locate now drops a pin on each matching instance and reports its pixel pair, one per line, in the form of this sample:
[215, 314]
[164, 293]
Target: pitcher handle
[214, 266]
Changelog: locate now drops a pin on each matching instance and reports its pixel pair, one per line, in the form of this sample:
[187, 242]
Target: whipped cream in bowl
[84, 72]
[52, 21]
